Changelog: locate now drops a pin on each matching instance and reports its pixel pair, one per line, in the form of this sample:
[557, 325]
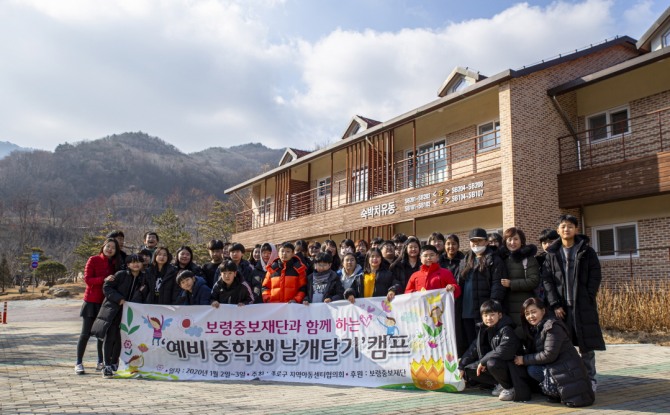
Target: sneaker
[594, 386]
[99, 367]
[507, 395]
[79, 369]
[107, 372]
[115, 367]
[496, 390]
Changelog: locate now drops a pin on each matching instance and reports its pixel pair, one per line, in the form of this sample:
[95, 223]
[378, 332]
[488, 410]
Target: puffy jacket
[238, 292]
[431, 278]
[199, 294]
[553, 348]
[253, 277]
[453, 263]
[98, 267]
[524, 275]
[210, 271]
[168, 291]
[334, 290]
[122, 287]
[499, 342]
[285, 281]
[587, 276]
[402, 272]
[485, 284]
[384, 282]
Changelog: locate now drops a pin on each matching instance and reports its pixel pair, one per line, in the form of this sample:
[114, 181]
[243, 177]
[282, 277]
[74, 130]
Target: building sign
[407, 344]
[382, 209]
[440, 196]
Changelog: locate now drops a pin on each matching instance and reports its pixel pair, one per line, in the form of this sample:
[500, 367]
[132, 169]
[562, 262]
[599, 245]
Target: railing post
[660, 130]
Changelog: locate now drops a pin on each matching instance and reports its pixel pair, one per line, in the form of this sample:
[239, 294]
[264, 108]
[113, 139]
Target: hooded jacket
[334, 289]
[430, 278]
[285, 281]
[551, 347]
[168, 290]
[98, 267]
[384, 282]
[239, 292]
[199, 294]
[587, 278]
[122, 287]
[524, 275]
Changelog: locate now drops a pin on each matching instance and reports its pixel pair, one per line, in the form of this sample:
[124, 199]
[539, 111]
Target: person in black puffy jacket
[231, 288]
[194, 289]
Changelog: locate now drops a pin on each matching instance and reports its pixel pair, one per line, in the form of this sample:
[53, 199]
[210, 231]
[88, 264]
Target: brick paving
[36, 376]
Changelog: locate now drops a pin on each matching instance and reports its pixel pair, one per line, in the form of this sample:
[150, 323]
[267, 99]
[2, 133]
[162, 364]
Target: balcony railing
[620, 141]
[439, 165]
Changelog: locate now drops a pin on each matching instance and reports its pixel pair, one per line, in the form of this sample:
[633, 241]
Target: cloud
[212, 72]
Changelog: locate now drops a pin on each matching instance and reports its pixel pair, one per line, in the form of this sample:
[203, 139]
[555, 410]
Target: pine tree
[92, 242]
[171, 230]
[5, 273]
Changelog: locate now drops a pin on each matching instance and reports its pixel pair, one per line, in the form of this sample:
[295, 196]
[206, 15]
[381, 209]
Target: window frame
[665, 39]
[435, 168]
[264, 204]
[323, 187]
[480, 136]
[608, 124]
[614, 227]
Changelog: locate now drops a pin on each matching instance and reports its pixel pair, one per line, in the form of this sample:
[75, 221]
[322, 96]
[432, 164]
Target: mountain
[136, 162]
[6, 148]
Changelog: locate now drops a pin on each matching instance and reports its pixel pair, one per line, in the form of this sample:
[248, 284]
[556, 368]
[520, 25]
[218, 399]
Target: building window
[609, 124]
[665, 39]
[431, 164]
[264, 206]
[323, 188]
[459, 85]
[359, 188]
[616, 240]
[489, 136]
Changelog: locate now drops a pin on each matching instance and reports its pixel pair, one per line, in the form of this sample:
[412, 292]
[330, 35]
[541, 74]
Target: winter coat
[168, 291]
[485, 284]
[402, 271]
[552, 348]
[384, 282]
[192, 266]
[358, 273]
[431, 278]
[585, 321]
[452, 264]
[98, 267]
[499, 342]
[307, 262]
[199, 294]
[210, 271]
[239, 292]
[122, 287]
[285, 281]
[334, 290]
[524, 279]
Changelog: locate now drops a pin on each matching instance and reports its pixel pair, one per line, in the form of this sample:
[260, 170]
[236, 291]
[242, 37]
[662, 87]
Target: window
[616, 240]
[609, 124]
[489, 136]
[323, 188]
[359, 188]
[459, 85]
[665, 39]
[264, 206]
[431, 164]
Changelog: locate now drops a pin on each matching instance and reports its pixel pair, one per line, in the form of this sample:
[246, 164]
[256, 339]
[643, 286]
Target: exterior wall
[530, 126]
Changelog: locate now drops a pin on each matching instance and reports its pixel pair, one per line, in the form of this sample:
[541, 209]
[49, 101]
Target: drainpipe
[568, 125]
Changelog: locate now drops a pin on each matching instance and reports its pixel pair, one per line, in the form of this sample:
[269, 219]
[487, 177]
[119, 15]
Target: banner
[405, 344]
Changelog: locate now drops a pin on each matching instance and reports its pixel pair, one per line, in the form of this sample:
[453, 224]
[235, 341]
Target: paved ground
[37, 350]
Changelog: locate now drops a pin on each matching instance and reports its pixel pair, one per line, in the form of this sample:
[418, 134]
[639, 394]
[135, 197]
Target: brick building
[586, 133]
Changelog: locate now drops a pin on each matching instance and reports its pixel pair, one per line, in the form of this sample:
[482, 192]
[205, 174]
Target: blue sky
[208, 73]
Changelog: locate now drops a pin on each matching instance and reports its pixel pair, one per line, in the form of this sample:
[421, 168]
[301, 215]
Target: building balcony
[626, 159]
[445, 175]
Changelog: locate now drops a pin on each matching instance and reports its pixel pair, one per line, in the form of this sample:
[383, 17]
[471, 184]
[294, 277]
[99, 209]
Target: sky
[219, 73]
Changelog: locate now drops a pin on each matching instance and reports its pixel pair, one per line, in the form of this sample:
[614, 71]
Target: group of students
[518, 315]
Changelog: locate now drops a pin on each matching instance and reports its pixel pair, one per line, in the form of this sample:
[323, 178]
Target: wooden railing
[439, 165]
[624, 140]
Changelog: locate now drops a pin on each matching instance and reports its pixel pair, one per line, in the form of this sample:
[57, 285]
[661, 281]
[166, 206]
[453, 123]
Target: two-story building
[586, 133]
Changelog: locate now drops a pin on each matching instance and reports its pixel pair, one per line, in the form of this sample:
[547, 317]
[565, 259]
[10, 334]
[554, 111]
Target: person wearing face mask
[522, 269]
[479, 276]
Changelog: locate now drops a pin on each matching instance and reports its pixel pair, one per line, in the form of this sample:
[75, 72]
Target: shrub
[637, 305]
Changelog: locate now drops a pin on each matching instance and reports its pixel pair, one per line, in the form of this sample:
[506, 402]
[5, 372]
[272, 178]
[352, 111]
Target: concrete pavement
[37, 353]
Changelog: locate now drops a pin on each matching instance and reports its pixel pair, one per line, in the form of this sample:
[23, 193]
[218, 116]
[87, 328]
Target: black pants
[111, 346]
[83, 339]
[496, 372]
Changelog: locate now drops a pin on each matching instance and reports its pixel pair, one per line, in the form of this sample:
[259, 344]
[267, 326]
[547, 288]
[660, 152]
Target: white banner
[406, 344]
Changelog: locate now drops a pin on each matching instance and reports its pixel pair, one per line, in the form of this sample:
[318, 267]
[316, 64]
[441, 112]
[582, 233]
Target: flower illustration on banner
[451, 362]
[127, 344]
[427, 374]
[432, 344]
[143, 348]
[386, 306]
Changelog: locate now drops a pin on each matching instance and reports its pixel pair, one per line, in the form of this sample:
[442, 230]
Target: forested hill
[134, 162]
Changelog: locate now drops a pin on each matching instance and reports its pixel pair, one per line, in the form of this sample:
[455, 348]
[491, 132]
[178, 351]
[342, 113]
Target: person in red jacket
[431, 276]
[98, 267]
[286, 278]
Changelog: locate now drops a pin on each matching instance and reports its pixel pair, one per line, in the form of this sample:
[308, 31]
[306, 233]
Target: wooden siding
[471, 192]
[635, 178]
